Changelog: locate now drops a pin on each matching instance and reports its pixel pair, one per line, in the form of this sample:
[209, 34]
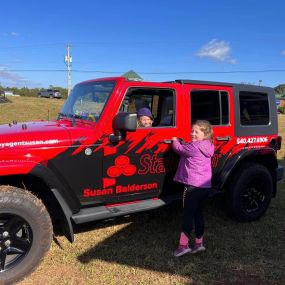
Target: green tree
[280, 89]
[132, 75]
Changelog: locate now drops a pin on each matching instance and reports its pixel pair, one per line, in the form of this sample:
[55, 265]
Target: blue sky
[222, 40]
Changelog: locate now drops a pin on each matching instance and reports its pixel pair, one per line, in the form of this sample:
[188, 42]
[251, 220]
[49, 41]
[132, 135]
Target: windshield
[87, 100]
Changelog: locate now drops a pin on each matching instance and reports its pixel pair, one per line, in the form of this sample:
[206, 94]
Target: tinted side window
[210, 105]
[254, 108]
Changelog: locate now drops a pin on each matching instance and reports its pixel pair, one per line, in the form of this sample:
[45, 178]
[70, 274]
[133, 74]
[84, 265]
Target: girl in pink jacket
[195, 172]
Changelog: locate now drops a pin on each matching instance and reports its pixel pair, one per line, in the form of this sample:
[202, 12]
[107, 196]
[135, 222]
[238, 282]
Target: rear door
[214, 104]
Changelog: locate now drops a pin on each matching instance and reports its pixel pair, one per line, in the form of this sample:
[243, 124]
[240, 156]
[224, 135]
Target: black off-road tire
[249, 192]
[25, 230]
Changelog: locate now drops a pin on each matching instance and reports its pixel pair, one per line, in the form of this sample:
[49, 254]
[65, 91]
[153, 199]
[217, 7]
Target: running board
[110, 211]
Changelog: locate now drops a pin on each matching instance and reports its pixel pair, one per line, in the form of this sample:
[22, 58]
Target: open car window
[161, 103]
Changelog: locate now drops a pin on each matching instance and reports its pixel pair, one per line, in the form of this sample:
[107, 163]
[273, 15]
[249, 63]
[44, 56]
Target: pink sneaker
[198, 247]
[181, 250]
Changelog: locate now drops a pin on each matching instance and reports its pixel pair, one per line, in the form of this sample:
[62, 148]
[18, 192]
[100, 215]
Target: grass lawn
[23, 109]
[138, 249]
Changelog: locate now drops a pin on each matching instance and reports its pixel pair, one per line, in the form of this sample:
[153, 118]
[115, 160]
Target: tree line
[33, 92]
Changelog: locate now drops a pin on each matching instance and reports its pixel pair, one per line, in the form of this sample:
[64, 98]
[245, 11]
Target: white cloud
[283, 52]
[10, 34]
[217, 50]
[11, 77]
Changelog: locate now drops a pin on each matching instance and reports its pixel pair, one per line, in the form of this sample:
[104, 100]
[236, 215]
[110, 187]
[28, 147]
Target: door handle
[227, 138]
[170, 141]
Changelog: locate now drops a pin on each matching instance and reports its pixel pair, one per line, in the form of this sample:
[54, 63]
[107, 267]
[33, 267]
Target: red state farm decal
[122, 167]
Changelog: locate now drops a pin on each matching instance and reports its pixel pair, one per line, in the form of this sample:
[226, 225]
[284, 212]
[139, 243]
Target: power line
[148, 72]
[130, 42]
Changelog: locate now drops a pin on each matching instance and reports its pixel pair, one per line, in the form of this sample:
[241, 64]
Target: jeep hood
[33, 135]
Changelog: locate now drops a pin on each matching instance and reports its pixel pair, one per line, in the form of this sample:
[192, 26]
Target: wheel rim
[254, 195]
[16, 238]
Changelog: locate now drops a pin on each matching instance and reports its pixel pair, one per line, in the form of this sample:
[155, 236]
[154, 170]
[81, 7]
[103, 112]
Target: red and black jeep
[94, 163]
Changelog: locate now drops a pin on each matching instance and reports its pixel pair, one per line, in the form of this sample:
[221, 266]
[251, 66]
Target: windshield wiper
[70, 116]
[61, 115]
[73, 117]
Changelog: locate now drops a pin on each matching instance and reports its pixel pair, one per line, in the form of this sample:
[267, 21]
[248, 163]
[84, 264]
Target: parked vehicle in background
[6, 93]
[94, 163]
[50, 93]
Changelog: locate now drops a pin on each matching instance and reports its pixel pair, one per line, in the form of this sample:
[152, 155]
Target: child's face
[145, 121]
[197, 134]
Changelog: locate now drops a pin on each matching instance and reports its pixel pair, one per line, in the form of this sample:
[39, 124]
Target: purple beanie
[145, 112]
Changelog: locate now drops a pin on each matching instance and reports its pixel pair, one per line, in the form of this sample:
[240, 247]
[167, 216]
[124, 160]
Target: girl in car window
[145, 118]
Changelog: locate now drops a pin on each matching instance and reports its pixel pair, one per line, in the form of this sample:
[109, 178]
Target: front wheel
[25, 233]
[250, 192]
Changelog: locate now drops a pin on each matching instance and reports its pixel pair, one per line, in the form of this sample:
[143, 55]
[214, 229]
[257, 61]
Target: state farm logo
[122, 167]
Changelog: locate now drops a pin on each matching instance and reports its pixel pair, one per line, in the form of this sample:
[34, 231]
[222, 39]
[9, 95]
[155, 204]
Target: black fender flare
[66, 199]
[69, 233]
[254, 154]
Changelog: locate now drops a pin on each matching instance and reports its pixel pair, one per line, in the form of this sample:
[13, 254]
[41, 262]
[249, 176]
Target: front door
[143, 164]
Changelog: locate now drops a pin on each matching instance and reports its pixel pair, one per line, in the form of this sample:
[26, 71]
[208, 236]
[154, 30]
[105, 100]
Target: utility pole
[68, 61]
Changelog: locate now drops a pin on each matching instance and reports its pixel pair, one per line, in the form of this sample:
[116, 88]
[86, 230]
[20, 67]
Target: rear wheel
[25, 233]
[250, 192]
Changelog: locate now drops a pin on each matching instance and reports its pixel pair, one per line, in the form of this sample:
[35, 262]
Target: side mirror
[125, 122]
[122, 123]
